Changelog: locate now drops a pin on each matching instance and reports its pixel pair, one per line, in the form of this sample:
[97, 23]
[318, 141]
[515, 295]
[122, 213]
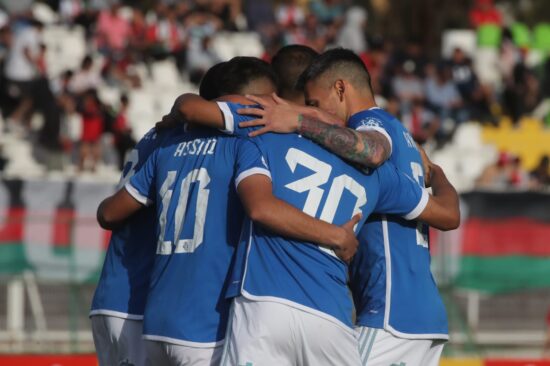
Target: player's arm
[193, 109]
[286, 220]
[137, 192]
[114, 210]
[442, 210]
[368, 148]
[401, 195]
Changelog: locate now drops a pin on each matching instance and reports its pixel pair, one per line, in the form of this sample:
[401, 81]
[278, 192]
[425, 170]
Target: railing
[49, 239]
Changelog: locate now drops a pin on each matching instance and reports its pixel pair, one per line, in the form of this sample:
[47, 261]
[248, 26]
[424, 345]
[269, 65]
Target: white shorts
[118, 341]
[262, 333]
[167, 354]
[378, 347]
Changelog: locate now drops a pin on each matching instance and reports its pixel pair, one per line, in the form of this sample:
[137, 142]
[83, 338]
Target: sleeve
[371, 124]
[399, 194]
[250, 161]
[141, 185]
[232, 118]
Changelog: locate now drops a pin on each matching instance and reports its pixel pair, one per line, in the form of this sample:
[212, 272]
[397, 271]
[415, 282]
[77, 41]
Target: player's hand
[172, 119]
[275, 115]
[345, 250]
[168, 121]
[427, 165]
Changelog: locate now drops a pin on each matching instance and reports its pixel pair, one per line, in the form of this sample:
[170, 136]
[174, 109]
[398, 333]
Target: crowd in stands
[431, 95]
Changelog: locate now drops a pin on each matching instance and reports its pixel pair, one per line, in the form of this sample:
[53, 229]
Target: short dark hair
[209, 89]
[289, 63]
[338, 63]
[240, 71]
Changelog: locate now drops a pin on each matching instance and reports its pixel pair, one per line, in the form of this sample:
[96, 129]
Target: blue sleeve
[249, 161]
[399, 194]
[232, 118]
[141, 185]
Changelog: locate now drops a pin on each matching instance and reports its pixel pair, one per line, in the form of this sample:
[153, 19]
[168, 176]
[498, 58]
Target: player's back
[192, 178]
[395, 251]
[316, 181]
[122, 287]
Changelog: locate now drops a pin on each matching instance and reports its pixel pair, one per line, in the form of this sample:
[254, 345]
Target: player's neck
[360, 103]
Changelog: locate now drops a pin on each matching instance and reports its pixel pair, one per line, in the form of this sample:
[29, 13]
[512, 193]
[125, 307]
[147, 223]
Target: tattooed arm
[366, 148]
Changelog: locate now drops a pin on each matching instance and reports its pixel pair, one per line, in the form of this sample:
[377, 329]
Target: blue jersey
[304, 275]
[192, 179]
[391, 282]
[122, 287]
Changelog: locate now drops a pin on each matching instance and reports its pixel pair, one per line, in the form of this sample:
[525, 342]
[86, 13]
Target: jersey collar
[362, 114]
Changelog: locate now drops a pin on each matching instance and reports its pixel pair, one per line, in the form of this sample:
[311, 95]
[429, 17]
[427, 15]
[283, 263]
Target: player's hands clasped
[275, 114]
[346, 248]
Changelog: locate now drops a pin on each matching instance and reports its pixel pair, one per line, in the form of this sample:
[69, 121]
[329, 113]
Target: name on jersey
[196, 147]
[409, 139]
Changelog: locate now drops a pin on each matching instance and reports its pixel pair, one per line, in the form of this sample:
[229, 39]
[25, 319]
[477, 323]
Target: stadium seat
[529, 140]
[489, 35]
[109, 95]
[486, 65]
[468, 135]
[521, 35]
[165, 74]
[21, 162]
[44, 13]
[541, 37]
[227, 45]
[465, 39]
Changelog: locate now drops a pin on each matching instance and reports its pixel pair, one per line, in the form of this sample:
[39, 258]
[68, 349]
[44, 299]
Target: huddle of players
[226, 249]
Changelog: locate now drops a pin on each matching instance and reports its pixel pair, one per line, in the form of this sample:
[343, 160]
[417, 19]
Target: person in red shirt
[92, 129]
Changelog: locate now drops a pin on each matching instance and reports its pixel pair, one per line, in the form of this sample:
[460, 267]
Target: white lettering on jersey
[312, 183]
[421, 237]
[196, 147]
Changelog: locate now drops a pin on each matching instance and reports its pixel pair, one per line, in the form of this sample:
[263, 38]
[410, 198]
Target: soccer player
[396, 298]
[196, 177]
[288, 64]
[119, 300]
[294, 307]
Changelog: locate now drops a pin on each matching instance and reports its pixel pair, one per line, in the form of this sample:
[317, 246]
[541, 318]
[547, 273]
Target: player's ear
[340, 87]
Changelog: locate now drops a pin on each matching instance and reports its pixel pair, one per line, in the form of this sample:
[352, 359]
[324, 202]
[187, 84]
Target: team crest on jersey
[371, 122]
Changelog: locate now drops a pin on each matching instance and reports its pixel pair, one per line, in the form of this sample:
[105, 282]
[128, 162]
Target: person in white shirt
[21, 69]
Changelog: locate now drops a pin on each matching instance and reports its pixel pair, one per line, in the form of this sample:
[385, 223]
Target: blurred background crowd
[81, 81]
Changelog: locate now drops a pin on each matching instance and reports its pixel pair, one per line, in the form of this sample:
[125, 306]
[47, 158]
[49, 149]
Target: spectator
[467, 83]
[328, 11]
[495, 176]
[201, 27]
[522, 90]
[112, 32]
[352, 34]
[442, 95]
[421, 122]
[518, 178]
[290, 14]
[92, 130]
[540, 176]
[86, 78]
[407, 86]
[21, 71]
[122, 131]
